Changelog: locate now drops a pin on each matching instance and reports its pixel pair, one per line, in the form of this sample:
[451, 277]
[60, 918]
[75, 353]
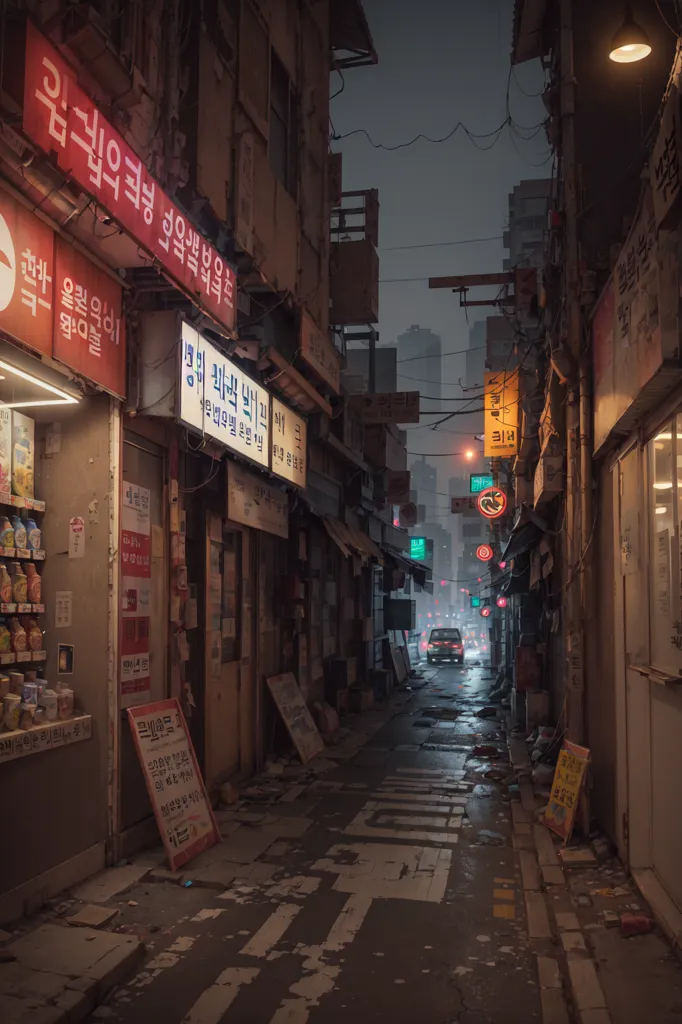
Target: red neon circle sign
[484, 552]
[492, 503]
[501, 602]
[485, 612]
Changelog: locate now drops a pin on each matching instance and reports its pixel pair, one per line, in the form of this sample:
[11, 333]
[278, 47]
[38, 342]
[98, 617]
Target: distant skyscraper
[422, 348]
[524, 238]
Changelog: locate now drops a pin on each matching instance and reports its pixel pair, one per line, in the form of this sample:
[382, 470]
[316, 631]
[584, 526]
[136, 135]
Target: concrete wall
[55, 803]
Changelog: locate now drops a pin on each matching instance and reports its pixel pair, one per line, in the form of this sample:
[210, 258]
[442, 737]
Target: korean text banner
[57, 302]
[217, 398]
[501, 414]
[289, 444]
[61, 119]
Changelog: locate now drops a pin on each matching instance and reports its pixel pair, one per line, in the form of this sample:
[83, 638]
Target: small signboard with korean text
[418, 551]
[57, 302]
[216, 397]
[387, 407]
[288, 451]
[569, 776]
[253, 501]
[287, 695]
[319, 354]
[398, 486]
[174, 783]
[479, 481]
[501, 404]
[60, 118]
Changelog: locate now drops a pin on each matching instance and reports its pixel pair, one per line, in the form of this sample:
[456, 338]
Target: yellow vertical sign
[501, 406]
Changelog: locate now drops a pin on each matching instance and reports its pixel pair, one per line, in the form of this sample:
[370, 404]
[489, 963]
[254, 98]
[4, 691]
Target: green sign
[475, 602]
[418, 549]
[479, 481]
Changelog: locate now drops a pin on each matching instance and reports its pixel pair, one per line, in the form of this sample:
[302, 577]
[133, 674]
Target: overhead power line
[433, 245]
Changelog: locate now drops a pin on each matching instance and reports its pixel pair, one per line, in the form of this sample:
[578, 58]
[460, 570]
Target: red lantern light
[485, 612]
[501, 602]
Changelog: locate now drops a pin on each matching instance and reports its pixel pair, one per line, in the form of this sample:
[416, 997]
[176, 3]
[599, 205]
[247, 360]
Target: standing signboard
[135, 590]
[287, 695]
[176, 790]
[61, 118]
[501, 405]
[568, 780]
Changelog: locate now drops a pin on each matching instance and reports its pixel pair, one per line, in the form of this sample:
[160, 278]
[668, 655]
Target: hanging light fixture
[630, 43]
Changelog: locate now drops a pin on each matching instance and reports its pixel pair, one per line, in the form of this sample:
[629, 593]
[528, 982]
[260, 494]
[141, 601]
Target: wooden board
[176, 789]
[287, 695]
[398, 665]
[568, 780]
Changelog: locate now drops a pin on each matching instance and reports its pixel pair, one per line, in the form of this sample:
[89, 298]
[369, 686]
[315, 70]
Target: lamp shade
[630, 43]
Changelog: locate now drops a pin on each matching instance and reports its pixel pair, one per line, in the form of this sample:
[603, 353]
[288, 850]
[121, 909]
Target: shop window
[665, 478]
[283, 142]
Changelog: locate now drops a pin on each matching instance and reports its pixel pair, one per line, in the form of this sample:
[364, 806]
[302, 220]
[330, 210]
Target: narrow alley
[400, 884]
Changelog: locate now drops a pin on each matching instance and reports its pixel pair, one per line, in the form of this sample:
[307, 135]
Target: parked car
[445, 645]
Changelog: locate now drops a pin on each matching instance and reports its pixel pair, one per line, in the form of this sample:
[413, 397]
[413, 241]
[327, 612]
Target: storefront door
[143, 466]
[665, 511]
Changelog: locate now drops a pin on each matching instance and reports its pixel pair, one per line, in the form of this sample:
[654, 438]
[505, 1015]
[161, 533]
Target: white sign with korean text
[176, 790]
[289, 444]
[252, 501]
[20, 742]
[217, 398]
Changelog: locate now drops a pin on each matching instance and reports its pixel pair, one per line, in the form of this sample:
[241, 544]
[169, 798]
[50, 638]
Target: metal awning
[365, 544]
[421, 574]
[527, 531]
[337, 532]
[300, 392]
[349, 35]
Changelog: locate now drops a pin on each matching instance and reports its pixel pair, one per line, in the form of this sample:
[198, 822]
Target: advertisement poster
[136, 571]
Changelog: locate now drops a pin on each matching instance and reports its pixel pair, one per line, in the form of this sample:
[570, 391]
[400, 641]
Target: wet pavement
[388, 890]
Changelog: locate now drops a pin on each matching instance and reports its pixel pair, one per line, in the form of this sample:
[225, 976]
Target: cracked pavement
[389, 890]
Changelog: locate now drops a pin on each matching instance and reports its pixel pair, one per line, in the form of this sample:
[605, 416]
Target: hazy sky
[440, 62]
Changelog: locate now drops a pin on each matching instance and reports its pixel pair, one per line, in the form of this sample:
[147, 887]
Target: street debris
[635, 924]
[488, 838]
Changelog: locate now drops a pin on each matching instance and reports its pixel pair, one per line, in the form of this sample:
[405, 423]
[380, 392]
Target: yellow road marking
[504, 910]
[503, 894]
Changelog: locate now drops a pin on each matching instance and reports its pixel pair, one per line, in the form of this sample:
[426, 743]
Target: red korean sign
[492, 502]
[61, 119]
[484, 552]
[89, 333]
[55, 301]
[26, 276]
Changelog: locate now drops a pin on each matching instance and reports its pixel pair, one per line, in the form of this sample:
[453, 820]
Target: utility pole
[578, 489]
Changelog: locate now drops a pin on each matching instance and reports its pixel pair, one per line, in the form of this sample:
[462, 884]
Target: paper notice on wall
[157, 541]
[63, 604]
[76, 537]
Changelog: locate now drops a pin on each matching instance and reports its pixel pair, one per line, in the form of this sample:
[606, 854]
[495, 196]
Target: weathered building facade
[215, 510]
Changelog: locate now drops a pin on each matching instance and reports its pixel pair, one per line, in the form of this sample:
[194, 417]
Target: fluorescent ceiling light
[63, 397]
